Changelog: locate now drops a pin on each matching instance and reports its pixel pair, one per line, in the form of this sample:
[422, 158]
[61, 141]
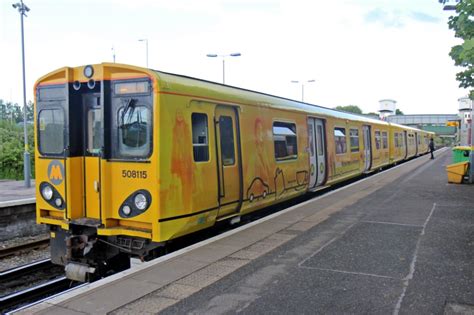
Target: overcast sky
[357, 51]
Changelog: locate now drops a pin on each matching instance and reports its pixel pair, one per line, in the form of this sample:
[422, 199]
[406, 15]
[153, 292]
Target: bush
[12, 148]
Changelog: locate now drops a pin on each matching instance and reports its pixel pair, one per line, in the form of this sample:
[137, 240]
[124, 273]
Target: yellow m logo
[55, 173]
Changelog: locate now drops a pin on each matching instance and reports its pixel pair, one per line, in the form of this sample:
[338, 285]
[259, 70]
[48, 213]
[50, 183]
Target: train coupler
[79, 272]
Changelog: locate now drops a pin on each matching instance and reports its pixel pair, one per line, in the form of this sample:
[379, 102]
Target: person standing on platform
[432, 148]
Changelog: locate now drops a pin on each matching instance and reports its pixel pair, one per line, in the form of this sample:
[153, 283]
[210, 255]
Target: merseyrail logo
[55, 172]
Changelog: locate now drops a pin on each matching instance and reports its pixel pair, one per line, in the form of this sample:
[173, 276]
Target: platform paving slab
[15, 191]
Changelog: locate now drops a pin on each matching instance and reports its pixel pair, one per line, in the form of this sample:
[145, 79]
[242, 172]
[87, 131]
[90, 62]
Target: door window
[200, 137]
[94, 130]
[226, 129]
[319, 137]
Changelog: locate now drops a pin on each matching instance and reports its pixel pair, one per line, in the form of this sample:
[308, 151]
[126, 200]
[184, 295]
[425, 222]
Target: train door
[405, 140]
[92, 148]
[416, 143]
[321, 151]
[313, 159]
[317, 152]
[229, 160]
[367, 148]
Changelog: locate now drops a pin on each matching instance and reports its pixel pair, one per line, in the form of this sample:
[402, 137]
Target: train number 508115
[134, 174]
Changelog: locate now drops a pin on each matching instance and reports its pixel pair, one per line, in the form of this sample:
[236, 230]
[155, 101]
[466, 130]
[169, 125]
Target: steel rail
[57, 285]
[4, 252]
[22, 270]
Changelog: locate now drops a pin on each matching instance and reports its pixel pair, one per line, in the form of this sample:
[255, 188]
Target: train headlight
[47, 192]
[126, 210]
[140, 201]
[58, 202]
[88, 71]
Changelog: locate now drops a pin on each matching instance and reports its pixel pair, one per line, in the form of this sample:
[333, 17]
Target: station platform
[14, 193]
[18, 210]
[400, 241]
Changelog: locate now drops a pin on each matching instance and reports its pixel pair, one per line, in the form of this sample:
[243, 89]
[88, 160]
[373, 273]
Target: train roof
[266, 99]
[246, 96]
[217, 91]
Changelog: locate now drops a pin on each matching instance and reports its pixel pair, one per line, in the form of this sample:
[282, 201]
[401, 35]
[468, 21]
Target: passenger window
[94, 130]
[200, 137]
[134, 131]
[377, 140]
[226, 129]
[395, 138]
[340, 140]
[384, 140]
[51, 131]
[354, 134]
[285, 141]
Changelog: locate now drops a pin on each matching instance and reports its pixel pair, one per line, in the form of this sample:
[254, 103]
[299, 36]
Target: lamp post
[113, 53]
[223, 62]
[146, 43]
[302, 86]
[22, 8]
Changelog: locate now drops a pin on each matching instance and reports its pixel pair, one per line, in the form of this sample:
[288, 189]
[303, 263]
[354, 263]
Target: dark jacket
[431, 145]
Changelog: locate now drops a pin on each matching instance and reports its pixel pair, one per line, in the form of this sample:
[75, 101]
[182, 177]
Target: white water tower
[387, 107]
[465, 111]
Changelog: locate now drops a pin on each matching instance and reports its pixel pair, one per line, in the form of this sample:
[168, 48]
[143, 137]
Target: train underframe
[88, 256]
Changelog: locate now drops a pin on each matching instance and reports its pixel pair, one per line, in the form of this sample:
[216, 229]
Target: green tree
[350, 108]
[398, 112]
[29, 111]
[463, 55]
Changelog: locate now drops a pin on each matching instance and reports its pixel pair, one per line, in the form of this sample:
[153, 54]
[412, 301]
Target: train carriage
[129, 158]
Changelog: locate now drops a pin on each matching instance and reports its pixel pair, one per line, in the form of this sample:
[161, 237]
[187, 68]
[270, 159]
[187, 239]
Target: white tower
[387, 107]
[465, 110]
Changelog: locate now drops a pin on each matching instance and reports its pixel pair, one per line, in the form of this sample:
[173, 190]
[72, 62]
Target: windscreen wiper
[130, 104]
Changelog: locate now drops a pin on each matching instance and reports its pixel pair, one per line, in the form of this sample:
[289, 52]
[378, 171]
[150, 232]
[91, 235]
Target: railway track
[41, 291]
[42, 279]
[13, 250]
[24, 270]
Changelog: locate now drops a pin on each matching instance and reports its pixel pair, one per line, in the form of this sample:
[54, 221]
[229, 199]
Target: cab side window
[200, 137]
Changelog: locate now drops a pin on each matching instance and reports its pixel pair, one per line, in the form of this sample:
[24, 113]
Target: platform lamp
[223, 61]
[302, 86]
[22, 8]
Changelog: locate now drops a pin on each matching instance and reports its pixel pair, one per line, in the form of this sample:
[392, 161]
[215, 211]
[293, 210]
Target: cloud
[423, 17]
[398, 19]
[388, 19]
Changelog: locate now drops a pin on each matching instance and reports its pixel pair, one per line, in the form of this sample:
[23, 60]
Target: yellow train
[129, 158]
